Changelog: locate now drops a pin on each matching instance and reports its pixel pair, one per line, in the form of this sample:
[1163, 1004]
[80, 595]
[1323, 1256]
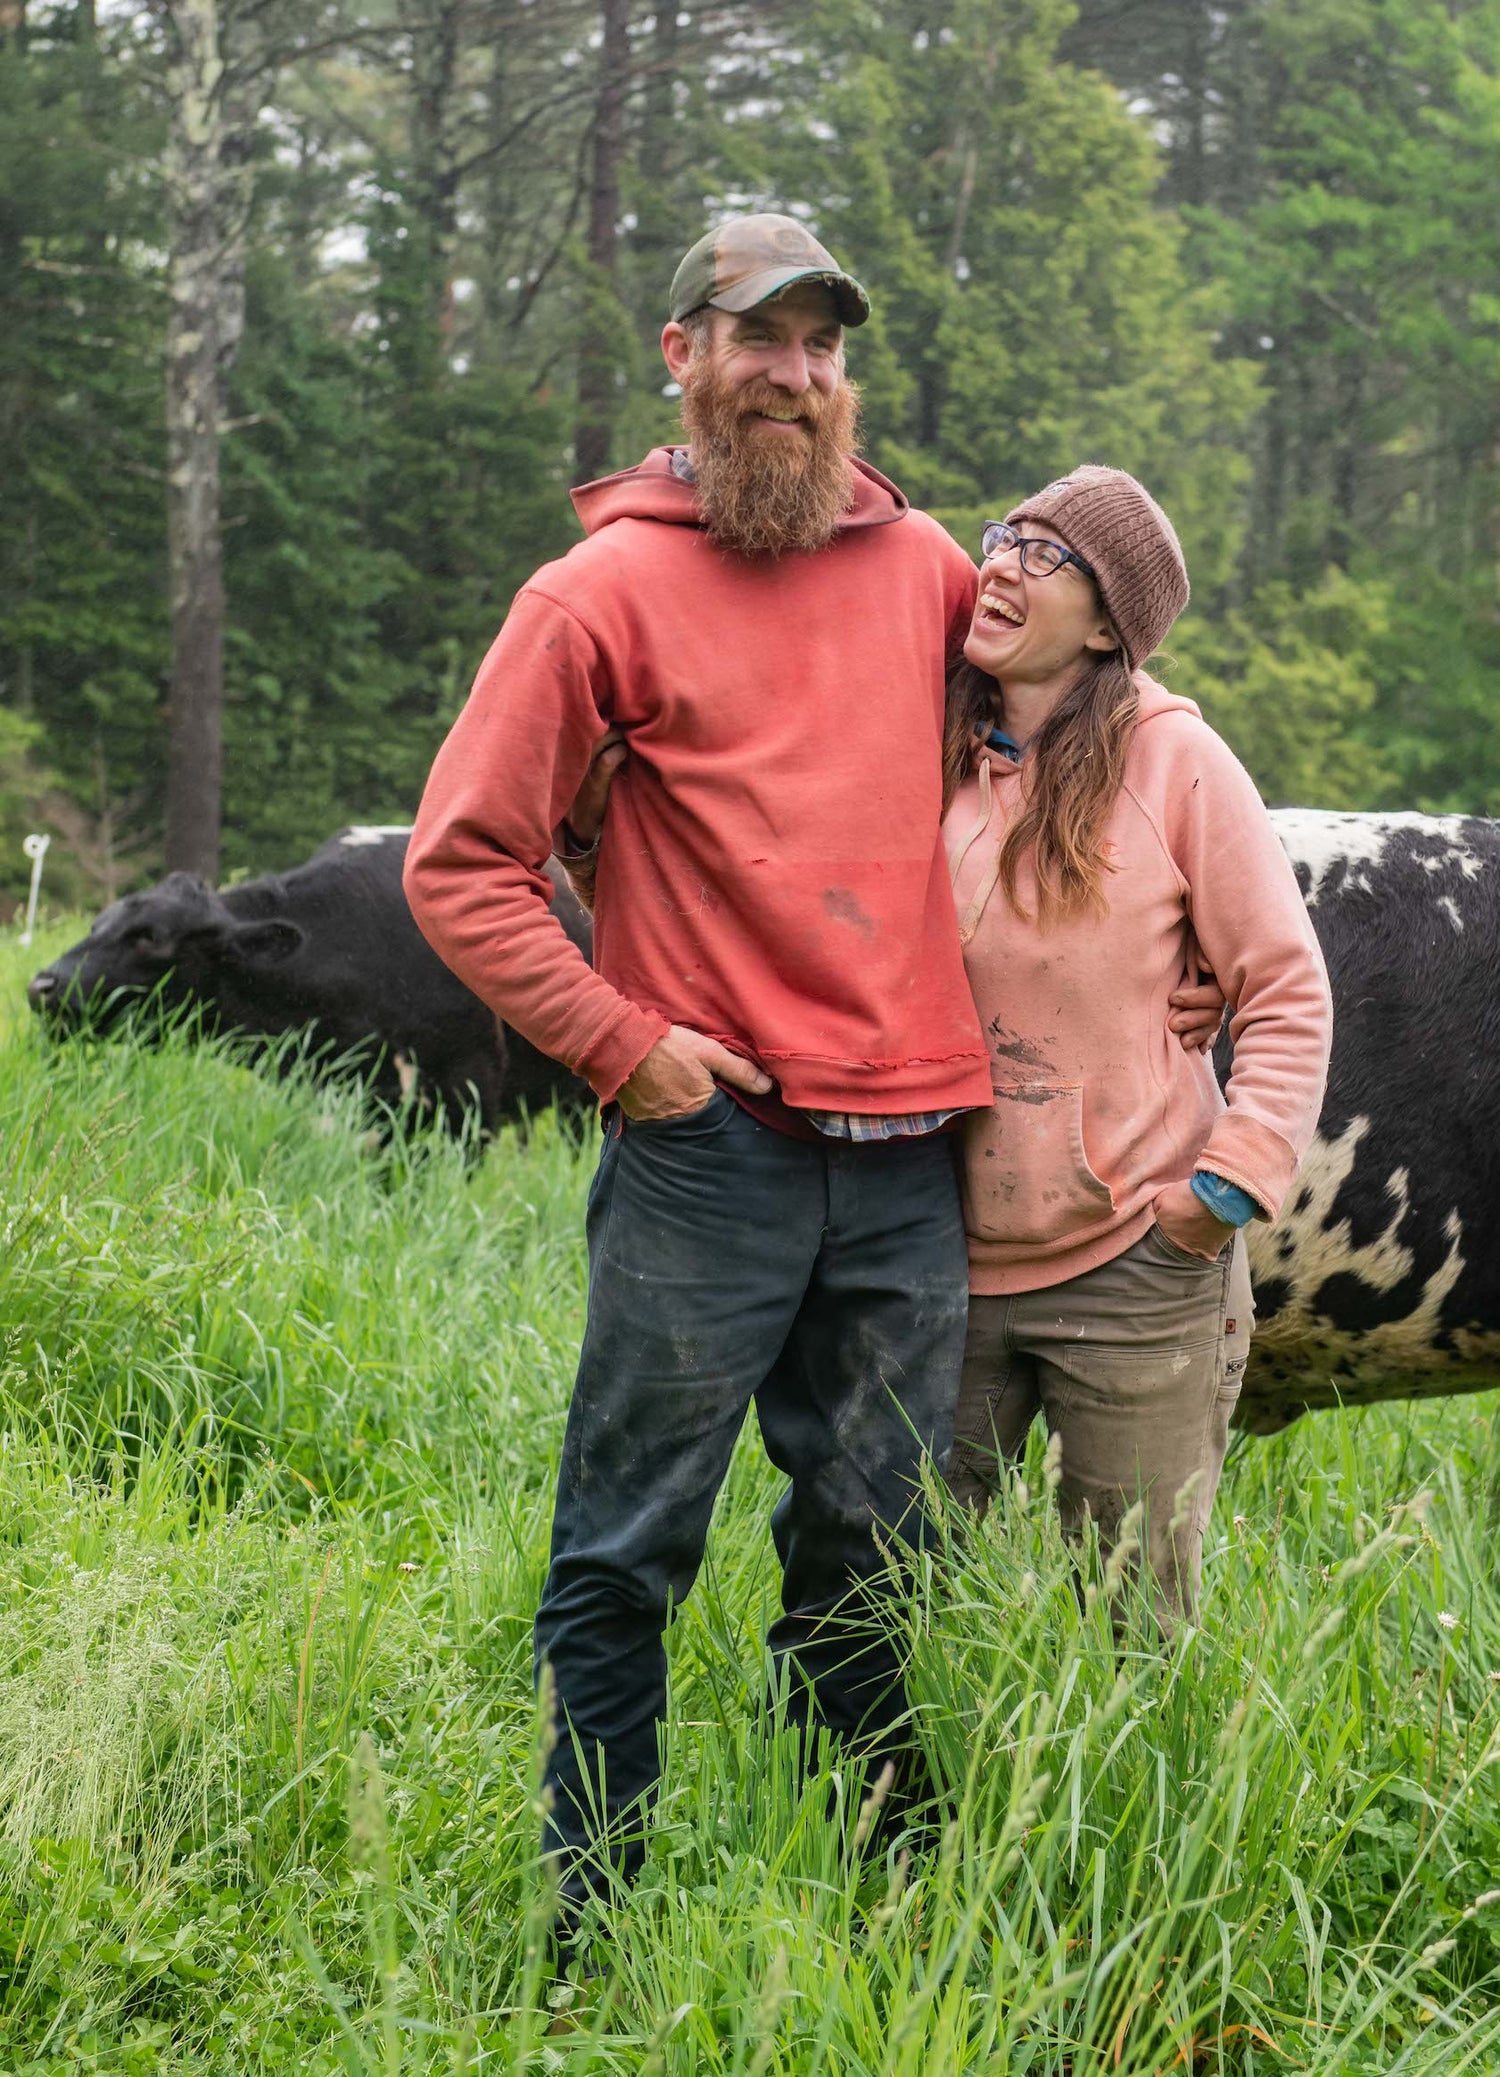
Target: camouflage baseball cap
[749, 258]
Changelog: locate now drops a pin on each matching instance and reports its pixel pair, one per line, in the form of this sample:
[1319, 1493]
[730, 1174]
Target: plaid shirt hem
[861, 1125]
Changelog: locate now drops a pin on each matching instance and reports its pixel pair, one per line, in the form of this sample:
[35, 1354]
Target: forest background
[385, 278]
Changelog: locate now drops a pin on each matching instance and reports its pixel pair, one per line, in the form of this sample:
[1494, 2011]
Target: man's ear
[676, 350]
[264, 944]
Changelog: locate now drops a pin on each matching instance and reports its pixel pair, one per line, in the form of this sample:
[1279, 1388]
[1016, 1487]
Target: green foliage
[1436, 667]
[1288, 683]
[310, 684]
[1362, 257]
[21, 788]
[1033, 311]
[280, 1422]
[82, 619]
[1358, 691]
[1247, 253]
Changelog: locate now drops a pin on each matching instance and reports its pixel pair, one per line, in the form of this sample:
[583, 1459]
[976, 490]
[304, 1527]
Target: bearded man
[779, 1026]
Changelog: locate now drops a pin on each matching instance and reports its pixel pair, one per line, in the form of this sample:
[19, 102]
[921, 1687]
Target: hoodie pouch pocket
[1026, 1176]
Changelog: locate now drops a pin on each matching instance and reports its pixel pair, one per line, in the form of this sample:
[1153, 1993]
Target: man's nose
[790, 369]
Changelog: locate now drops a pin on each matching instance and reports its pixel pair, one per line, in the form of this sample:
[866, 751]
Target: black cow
[1381, 1280]
[330, 948]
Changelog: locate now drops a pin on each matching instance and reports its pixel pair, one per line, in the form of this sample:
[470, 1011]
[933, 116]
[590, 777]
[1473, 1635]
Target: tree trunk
[971, 124]
[599, 353]
[660, 233]
[1193, 181]
[1348, 459]
[205, 316]
[435, 62]
[1493, 490]
[1260, 558]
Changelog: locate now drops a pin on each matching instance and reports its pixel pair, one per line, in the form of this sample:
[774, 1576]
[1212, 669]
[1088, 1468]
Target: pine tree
[82, 460]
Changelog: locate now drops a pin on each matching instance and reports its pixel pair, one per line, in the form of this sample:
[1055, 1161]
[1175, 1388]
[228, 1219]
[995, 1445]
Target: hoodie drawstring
[986, 886]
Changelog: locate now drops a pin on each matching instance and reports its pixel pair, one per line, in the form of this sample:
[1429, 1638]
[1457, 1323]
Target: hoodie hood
[1155, 699]
[653, 490]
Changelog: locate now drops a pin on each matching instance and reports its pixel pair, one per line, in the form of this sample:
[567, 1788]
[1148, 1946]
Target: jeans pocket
[710, 1113]
[1183, 1257]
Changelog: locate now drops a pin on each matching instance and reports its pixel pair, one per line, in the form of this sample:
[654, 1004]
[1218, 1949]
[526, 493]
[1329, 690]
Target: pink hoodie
[1097, 1108]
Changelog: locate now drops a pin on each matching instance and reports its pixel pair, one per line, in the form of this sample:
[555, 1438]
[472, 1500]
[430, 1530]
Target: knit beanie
[1123, 534]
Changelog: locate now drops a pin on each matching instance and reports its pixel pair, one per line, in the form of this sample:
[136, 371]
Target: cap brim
[850, 300]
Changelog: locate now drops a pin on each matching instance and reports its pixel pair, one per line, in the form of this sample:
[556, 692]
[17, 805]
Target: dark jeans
[728, 1262]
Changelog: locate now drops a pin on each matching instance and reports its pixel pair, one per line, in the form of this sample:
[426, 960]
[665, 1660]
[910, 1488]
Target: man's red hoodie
[772, 870]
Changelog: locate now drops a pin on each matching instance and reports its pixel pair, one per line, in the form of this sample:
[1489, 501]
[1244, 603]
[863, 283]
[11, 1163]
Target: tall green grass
[278, 1421]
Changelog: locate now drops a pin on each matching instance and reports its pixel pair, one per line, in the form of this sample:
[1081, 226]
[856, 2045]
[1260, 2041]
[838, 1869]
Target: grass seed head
[1052, 1461]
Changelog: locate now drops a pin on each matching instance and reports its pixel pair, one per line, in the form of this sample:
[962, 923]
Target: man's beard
[765, 494]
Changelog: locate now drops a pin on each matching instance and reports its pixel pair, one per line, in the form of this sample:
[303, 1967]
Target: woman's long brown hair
[1071, 779]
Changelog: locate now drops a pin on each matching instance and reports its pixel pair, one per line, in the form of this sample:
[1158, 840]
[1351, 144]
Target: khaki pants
[1136, 1366]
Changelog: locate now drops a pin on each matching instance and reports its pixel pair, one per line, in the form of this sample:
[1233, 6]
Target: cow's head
[176, 943]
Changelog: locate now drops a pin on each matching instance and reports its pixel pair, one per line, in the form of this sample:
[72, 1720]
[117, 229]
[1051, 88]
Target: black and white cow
[331, 948]
[1381, 1280]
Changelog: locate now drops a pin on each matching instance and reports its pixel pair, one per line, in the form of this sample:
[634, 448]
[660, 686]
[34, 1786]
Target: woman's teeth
[993, 607]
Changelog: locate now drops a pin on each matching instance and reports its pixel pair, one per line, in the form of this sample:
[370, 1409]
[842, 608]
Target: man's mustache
[763, 399]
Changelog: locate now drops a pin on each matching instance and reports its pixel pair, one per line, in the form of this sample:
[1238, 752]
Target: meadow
[279, 1415]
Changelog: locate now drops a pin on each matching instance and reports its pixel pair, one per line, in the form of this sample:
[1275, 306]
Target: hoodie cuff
[1260, 1161]
[613, 1056]
[569, 848]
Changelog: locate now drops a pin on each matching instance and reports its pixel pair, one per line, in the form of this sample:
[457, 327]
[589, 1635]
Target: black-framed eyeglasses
[1038, 558]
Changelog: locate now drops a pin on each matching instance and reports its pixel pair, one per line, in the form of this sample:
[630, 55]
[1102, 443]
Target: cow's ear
[265, 944]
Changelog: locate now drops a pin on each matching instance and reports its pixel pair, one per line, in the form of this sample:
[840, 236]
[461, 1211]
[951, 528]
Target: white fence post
[36, 850]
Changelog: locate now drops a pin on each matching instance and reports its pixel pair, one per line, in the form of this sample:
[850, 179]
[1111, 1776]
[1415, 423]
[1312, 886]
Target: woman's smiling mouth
[997, 611]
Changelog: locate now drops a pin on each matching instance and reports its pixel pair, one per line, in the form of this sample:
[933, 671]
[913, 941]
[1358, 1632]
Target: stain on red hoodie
[772, 870]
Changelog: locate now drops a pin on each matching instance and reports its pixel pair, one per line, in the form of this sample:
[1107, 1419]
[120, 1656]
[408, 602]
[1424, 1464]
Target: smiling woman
[1041, 625]
[1100, 836]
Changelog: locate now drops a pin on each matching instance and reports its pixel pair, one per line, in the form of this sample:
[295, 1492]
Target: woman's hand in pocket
[1189, 1224]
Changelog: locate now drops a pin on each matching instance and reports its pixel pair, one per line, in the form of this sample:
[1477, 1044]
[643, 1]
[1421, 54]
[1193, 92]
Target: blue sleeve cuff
[1227, 1201]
